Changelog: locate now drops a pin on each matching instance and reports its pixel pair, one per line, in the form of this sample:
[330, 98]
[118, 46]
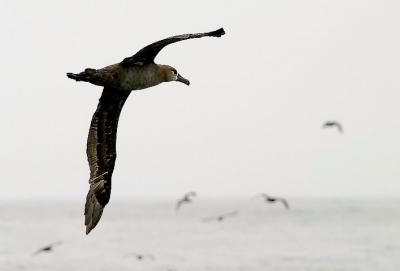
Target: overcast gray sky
[249, 122]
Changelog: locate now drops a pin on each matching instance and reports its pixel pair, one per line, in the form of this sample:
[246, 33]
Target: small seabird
[187, 198]
[270, 199]
[133, 73]
[141, 257]
[336, 124]
[221, 217]
[47, 248]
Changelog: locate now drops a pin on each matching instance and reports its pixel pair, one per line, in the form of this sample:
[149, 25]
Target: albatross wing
[148, 53]
[101, 153]
[285, 203]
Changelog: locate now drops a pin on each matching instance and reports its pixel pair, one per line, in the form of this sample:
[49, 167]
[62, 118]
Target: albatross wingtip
[88, 229]
[93, 211]
[93, 218]
[218, 33]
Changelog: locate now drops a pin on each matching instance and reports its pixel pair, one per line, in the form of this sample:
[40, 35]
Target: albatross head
[171, 74]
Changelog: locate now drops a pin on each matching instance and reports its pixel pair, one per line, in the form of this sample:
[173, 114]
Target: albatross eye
[174, 71]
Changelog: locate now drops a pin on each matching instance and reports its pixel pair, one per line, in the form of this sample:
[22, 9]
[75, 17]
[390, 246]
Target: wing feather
[101, 153]
[148, 53]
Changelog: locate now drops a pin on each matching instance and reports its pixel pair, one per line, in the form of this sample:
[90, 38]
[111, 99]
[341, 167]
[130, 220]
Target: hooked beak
[182, 79]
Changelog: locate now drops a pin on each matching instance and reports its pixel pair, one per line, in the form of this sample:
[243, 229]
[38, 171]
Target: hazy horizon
[313, 235]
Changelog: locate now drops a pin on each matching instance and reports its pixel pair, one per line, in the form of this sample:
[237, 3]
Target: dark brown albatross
[187, 198]
[270, 199]
[133, 73]
[333, 123]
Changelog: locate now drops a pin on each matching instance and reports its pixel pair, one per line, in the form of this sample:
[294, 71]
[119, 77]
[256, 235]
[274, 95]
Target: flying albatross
[270, 199]
[47, 248]
[333, 123]
[187, 198]
[141, 257]
[221, 217]
[133, 73]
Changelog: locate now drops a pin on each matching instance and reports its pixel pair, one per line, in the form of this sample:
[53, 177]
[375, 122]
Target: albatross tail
[83, 76]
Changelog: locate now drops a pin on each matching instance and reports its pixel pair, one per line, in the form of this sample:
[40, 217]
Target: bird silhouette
[47, 248]
[336, 124]
[141, 257]
[133, 73]
[187, 198]
[270, 199]
[221, 217]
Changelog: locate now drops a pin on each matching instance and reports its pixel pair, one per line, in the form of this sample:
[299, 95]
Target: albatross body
[133, 73]
[127, 78]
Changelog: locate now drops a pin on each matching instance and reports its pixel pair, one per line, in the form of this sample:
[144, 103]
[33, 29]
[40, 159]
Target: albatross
[333, 123]
[118, 81]
[47, 248]
[221, 217]
[270, 199]
[187, 198]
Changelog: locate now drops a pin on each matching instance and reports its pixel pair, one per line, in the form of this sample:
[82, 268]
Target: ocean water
[316, 234]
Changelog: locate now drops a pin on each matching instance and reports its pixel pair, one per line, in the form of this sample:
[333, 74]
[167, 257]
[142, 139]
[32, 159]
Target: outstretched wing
[190, 194]
[101, 153]
[179, 204]
[148, 53]
[339, 127]
[265, 196]
[285, 203]
[327, 124]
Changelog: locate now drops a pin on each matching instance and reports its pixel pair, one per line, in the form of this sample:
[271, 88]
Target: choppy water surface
[345, 234]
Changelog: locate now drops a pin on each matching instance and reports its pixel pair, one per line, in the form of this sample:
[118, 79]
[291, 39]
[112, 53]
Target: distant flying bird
[47, 248]
[221, 217]
[336, 124]
[141, 257]
[270, 199]
[133, 73]
[187, 198]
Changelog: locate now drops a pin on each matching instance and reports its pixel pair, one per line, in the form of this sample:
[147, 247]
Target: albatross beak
[182, 79]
